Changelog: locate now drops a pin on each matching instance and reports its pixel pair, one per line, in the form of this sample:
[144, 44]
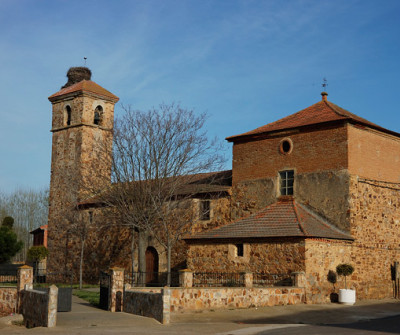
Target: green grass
[91, 297]
[8, 284]
[74, 286]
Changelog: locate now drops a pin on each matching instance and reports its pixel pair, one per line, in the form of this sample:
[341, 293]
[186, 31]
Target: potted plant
[346, 296]
[332, 278]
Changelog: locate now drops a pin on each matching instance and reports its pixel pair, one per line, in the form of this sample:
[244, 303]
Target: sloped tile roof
[286, 218]
[85, 86]
[321, 112]
[201, 183]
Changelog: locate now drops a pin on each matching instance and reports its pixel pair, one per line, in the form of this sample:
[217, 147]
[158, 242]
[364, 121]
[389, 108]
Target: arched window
[69, 112]
[98, 113]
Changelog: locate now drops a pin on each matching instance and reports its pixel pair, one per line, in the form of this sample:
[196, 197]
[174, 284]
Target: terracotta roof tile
[85, 86]
[281, 219]
[321, 112]
[201, 183]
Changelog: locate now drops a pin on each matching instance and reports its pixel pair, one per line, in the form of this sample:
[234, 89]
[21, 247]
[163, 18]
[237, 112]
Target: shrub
[37, 253]
[344, 270]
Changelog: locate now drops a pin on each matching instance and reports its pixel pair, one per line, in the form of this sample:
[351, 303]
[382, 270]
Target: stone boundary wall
[160, 303]
[145, 303]
[189, 299]
[39, 308]
[8, 299]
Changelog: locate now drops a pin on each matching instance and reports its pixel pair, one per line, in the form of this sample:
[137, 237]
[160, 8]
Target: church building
[315, 189]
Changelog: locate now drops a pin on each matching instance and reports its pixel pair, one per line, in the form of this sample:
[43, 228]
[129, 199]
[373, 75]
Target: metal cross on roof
[324, 84]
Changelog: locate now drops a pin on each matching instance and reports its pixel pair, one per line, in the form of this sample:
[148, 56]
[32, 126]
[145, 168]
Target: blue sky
[245, 63]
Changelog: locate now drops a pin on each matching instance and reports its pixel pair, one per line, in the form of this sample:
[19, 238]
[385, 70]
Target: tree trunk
[142, 244]
[169, 262]
[133, 278]
[81, 264]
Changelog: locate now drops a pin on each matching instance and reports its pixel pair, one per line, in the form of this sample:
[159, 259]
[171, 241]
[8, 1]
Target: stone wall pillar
[166, 300]
[299, 279]
[52, 306]
[186, 278]
[115, 302]
[248, 279]
[24, 277]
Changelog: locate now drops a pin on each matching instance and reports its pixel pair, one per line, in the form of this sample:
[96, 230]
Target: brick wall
[374, 155]
[8, 299]
[313, 150]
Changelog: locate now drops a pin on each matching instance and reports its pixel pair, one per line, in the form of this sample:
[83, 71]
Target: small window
[90, 217]
[287, 181]
[286, 146]
[98, 112]
[69, 112]
[239, 250]
[205, 210]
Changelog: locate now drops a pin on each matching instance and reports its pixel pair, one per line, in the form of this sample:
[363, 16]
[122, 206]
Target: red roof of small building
[285, 218]
[321, 112]
[87, 86]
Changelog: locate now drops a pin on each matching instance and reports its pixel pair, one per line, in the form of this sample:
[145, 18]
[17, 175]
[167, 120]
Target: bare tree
[155, 154]
[80, 226]
[29, 208]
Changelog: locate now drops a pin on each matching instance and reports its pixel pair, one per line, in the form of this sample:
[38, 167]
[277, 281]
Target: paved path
[85, 319]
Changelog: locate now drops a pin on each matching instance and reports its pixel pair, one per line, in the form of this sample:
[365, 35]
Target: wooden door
[151, 265]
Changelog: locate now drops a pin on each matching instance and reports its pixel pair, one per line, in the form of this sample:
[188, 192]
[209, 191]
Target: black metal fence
[151, 279]
[218, 279]
[8, 273]
[271, 279]
[8, 278]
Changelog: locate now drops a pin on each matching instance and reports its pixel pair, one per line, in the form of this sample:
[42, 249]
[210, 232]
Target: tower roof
[285, 218]
[323, 111]
[85, 86]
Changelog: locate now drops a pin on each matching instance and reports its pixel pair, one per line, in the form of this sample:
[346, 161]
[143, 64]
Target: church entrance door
[151, 266]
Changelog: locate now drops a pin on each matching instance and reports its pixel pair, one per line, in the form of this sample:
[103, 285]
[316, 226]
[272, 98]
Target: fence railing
[8, 279]
[218, 279]
[151, 279]
[8, 273]
[271, 279]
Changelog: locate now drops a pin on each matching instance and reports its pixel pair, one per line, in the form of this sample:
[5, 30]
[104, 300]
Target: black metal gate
[63, 280]
[105, 279]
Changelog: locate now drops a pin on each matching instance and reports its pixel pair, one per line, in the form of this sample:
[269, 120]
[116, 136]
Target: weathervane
[324, 84]
[85, 60]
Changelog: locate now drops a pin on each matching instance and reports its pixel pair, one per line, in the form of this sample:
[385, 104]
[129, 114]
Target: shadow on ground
[332, 314]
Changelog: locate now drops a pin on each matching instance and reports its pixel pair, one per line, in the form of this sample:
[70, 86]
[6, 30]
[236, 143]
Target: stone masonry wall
[76, 159]
[187, 299]
[148, 304]
[8, 299]
[375, 225]
[321, 256]
[160, 303]
[283, 256]
[40, 308]
[326, 192]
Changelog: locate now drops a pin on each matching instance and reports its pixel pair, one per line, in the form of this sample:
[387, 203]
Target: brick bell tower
[82, 124]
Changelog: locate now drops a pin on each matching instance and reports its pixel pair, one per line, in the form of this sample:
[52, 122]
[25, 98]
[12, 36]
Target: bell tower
[82, 124]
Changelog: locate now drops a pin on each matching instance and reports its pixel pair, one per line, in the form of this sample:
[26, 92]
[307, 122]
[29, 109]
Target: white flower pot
[347, 297]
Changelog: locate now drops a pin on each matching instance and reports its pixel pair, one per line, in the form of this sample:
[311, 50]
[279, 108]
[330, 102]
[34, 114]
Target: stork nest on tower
[77, 74]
